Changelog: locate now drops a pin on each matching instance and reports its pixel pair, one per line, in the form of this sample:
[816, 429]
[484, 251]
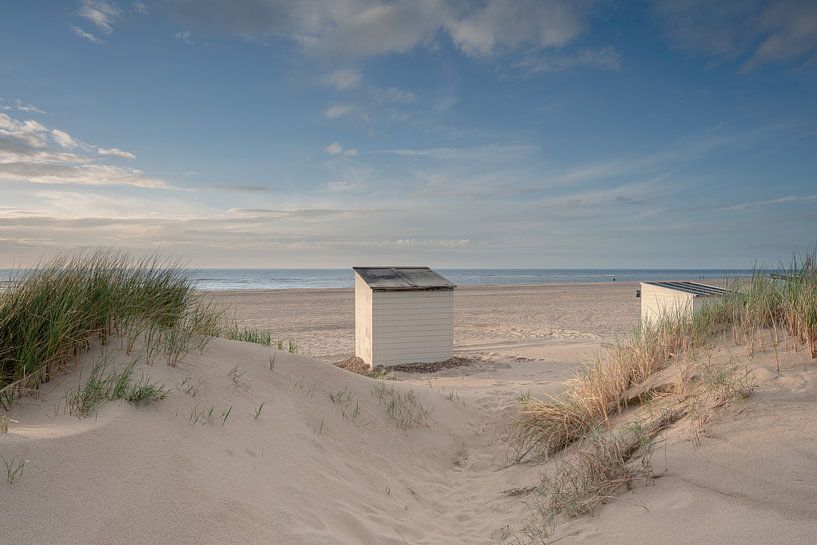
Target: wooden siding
[658, 302]
[413, 326]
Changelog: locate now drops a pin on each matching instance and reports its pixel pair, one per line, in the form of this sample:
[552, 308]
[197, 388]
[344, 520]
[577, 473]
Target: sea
[266, 279]
[276, 279]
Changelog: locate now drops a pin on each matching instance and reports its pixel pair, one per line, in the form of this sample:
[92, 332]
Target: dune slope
[323, 462]
[307, 470]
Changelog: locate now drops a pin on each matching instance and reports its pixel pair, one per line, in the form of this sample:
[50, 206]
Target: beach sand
[324, 464]
[497, 322]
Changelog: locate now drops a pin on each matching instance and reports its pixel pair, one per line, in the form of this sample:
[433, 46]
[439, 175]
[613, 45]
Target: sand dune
[313, 470]
[751, 479]
[302, 472]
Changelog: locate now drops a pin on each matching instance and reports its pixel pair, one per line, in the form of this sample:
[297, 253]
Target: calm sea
[256, 279]
[266, 279]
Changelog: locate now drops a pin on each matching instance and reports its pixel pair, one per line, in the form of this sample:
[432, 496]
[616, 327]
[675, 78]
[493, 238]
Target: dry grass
[598, 391]
[785, 305]
[602, 463]
[710, 386]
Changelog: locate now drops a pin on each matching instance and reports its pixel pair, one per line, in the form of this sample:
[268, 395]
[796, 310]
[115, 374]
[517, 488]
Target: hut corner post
[363, 320]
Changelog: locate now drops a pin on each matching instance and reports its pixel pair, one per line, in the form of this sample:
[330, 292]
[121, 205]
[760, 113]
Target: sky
[333, 133]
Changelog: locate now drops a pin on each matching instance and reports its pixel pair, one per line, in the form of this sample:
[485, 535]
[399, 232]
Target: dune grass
[14, 469]
[404, 409]
[57, 309]
[598, 391]
[50, 316]
[348, 403]
[784, 304]
[235, 332]
[106, 384]
[603, 462]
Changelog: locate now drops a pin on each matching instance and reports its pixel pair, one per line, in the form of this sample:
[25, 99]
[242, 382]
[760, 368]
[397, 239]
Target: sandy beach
[498, 323]
[320, 463]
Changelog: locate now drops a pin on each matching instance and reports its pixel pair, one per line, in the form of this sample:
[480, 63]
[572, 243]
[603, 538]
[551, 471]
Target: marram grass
[785, 304]
[50, 316]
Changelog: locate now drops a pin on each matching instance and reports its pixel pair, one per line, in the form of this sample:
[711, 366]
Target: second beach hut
[675, 299]
[403, 315]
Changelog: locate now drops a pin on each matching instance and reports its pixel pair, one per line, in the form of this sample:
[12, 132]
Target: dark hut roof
[696, 289]
[402, 278]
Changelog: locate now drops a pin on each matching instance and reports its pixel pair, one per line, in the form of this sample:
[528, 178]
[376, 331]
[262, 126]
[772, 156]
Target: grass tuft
[602, 463]
[235, 332]
[14, 469]
[348, 403]
[95, 295]
[404, 409]
[103, 385]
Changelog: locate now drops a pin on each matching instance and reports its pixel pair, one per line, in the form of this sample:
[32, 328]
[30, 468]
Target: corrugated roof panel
[696, 289]
[402, 278]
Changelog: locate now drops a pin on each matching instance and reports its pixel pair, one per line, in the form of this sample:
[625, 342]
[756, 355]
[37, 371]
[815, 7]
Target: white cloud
[788, 199]
[343, 79]
[102, 14]
[138, 7]
[606, 58]
[336, 149]
[345, 110]
[442, 243]
[338, 111]
[63, 139]
[514, 23]
[344, 186]
[333, 149]
[21, 136]
[48, 169]
[362, 28]
[393, 94]
[28, 108]
[27, 154]
[115, 152]
[185, 36]
[86, 35]
[489, 152]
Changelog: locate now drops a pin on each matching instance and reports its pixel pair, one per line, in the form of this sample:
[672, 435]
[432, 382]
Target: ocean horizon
[276, 279]
[264, 279]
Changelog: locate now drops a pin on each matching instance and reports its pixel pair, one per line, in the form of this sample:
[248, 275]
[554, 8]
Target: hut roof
[402, 278]
[696, 289]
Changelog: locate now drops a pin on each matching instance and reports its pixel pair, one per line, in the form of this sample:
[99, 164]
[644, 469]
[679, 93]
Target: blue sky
[265, 133]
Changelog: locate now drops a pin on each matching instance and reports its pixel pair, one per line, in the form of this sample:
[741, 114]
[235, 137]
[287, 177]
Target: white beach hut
[661, 299]
[403, 315]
